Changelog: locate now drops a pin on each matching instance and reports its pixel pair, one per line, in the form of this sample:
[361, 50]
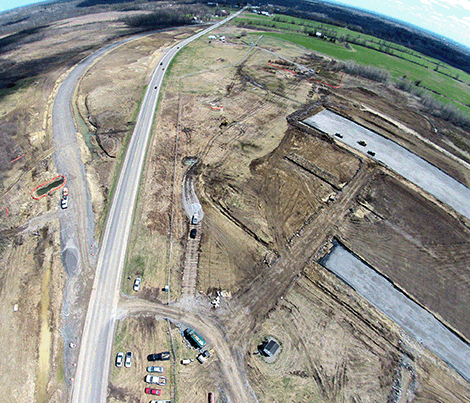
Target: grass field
[299, 25]
[295, 30]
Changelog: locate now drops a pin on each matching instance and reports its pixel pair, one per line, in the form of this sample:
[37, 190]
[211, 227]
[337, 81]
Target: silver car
[137, 282]
[155, 369]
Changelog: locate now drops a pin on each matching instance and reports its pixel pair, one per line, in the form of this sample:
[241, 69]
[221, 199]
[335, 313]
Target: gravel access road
[77, 221]
[91, 378]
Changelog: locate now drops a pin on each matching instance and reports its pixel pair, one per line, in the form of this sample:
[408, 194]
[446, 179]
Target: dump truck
[195, 339]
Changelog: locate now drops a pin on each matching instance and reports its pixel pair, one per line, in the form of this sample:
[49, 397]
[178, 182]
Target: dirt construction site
[277, 197]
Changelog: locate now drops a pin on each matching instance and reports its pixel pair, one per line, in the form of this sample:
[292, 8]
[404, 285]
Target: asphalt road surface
[91, 378]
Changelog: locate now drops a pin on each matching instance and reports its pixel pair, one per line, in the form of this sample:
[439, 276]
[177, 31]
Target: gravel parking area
[428, 177]
[414, 319]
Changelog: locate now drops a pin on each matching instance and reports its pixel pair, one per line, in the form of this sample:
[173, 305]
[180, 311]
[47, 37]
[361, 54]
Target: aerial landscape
[233, 202]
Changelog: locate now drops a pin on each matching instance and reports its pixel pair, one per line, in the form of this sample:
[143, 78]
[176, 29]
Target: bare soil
[334, 347]
[33, 277]
[274, 196]
[265, 185]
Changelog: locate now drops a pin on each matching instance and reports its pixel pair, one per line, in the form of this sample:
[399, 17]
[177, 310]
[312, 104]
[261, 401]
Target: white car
[128, 361]
[119, 359]
[160, 401]
[137, 282]
[159, 380]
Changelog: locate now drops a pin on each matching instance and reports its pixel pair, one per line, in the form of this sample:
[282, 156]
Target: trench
[82, 128]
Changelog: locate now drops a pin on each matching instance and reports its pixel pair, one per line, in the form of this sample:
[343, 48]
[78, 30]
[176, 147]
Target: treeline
[355, 69]
[159, 19]
[433, 106]
[430, 104]
[91, 3]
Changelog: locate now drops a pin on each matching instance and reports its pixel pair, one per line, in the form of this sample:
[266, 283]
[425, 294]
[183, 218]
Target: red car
[151, 391]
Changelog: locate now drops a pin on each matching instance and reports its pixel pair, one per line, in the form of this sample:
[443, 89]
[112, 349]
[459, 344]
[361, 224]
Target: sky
[448, 18]
[9, 4]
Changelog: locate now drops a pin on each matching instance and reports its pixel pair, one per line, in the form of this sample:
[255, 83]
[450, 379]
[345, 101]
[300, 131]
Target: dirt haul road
[90, 384]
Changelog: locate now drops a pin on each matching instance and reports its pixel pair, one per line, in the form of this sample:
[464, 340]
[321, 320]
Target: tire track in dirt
[261, 293]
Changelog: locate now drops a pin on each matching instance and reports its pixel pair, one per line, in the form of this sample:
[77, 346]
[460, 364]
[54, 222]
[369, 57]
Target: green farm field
[452, 91]
[303, 26]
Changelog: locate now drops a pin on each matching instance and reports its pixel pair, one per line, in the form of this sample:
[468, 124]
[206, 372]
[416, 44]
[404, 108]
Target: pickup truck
[159, 380]
[164, 356]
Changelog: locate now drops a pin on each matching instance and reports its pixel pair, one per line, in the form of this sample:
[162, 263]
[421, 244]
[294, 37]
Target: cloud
[457, 4]
[465, 4]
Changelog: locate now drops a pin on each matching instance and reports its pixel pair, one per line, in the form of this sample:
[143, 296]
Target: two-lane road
[91, 378]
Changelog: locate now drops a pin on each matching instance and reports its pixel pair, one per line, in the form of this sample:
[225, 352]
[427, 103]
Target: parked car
[119, 359]
[155, 369]
[193, 233]
[64, 203]
[128, 361]
[164, 356]
[160, 401]
[64, 200]
[151, 391]
[137, 282]
[159, 380]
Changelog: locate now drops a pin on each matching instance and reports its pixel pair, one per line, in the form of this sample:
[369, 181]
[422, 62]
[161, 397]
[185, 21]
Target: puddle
[387, 298]
[70, 260]
[48, 188]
